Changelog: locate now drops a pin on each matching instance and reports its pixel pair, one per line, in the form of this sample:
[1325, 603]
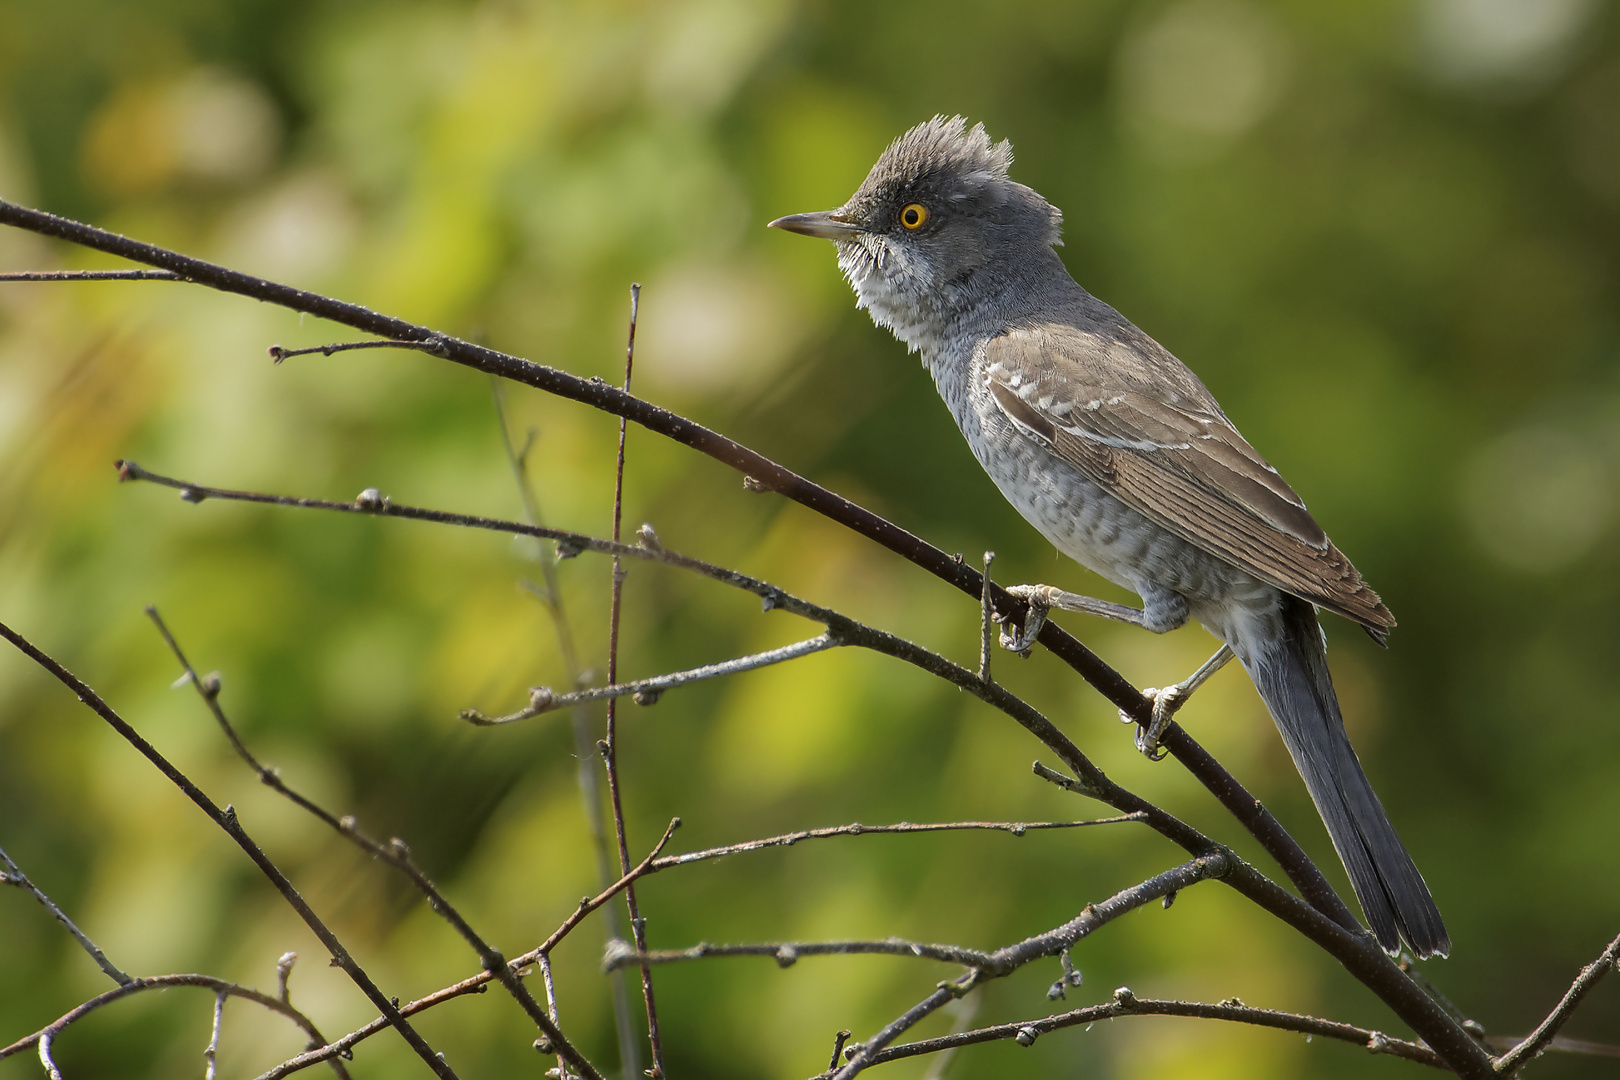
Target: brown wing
[1179, 462]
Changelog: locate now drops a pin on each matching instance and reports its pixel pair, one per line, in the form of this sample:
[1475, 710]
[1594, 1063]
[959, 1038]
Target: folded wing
[1179, 462]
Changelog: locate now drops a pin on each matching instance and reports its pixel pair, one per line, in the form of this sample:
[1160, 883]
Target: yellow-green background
[1384, 232]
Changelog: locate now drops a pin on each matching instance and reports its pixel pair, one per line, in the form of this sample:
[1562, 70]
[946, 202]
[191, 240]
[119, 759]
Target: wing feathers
[1180, 463]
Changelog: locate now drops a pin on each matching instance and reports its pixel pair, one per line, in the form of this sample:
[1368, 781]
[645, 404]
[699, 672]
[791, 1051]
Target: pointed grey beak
[827, 224]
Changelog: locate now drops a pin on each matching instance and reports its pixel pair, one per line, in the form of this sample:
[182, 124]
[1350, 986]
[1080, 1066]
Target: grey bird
[1117, 453]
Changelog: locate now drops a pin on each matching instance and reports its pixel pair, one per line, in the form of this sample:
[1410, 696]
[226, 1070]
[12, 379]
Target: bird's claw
[1039, 599]
[1165, 703]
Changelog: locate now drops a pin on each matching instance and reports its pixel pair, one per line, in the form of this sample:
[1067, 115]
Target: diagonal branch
[1005, 961]
[761, 474]
[395, 854]
[1538, 1040]
[226, 820]
[12, 874]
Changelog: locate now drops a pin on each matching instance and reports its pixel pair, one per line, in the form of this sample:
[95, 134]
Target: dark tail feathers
[1290, 671]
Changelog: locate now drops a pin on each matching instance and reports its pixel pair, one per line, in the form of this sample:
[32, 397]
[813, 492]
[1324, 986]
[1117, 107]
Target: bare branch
[610, 744]
[1006, 960]
[788, 953]
[1560, 1044]
[432, 346]
[475, 983]
[220, 987]
[226, 820]
[1127, 1004]
[1511, 1062]
[646, 691]
[92, 275]
[581, 722]
[211, 1055]
[395, 853]
[12, 874]
[1016, 828]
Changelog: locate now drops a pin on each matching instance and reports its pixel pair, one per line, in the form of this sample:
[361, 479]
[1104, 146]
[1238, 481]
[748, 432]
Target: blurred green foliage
[1384, 233]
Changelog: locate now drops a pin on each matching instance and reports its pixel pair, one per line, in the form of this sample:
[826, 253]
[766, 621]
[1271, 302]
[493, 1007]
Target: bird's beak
[828, 224]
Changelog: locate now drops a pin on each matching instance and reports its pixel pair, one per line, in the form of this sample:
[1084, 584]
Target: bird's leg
[1170, 699]
[1043, 598]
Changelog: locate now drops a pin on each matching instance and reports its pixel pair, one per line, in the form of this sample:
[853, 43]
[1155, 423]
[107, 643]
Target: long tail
[1290, 671]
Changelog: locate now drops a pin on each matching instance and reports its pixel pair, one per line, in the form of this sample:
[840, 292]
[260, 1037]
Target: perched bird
[1117, 453]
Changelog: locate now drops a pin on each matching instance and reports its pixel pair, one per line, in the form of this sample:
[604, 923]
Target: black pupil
[911, 215]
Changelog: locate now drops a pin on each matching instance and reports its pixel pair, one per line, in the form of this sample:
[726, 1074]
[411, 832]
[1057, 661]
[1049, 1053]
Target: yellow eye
[913, 216]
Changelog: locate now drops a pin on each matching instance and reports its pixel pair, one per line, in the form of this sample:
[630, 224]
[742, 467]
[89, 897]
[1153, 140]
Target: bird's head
[936, 228]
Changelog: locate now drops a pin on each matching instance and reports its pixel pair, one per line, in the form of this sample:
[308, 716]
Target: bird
[1120, 456]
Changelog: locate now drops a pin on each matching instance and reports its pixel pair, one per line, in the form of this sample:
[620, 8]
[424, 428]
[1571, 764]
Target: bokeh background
[1384, 233]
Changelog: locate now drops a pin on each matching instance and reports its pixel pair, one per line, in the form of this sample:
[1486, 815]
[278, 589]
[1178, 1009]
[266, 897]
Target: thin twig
[164, 982]
[226, 820]
[432, 346]
[610, 744]
[1127, 1004]
[92, 275]
[473, 984]
[788, 953]
[395, 853]
[1560, 1044]
[1352, 947]
[542, 699]
[1006, 960]
[284, 967]
[582, 723]
[12, 874]
[211, 1055]
[1016, 828]
[1511, 1062]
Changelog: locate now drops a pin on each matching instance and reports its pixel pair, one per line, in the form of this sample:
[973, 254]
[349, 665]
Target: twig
[395, 853]
[838, 1048]
[226, 820]
[1561, 1044]
[645, 867]
[473, 984]
[211, 1055]
[92, 275]
[859, 1055]
[584, 735]
[432, 346]
[646, 691]
[1127, 1004]
[1353, 948]
[1016, 828]
[610, 744]
[788, 953]
[1006, 960]
[13, 875]
[284, 968]
[164, 982]
[1511, 1062]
